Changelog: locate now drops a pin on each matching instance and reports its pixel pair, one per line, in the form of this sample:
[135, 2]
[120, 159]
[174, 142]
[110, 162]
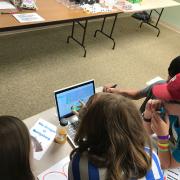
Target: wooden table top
[56, 13]
[53, 12]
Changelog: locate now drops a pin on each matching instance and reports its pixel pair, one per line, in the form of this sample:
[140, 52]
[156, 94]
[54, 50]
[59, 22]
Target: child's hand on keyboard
[76, 109]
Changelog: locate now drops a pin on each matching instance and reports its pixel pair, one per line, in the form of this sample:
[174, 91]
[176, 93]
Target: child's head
[14, 149]
[174, 67]
[112, 131]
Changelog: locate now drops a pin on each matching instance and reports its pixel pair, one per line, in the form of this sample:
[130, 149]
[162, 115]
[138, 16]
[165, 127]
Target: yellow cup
[61, 135]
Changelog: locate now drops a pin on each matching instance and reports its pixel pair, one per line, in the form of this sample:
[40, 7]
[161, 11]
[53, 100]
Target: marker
[8, 12]
[114, 86]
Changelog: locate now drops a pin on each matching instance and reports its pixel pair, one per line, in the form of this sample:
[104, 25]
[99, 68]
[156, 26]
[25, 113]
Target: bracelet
[146, 119]
[164, 137]
[163, 150]
[163, 145]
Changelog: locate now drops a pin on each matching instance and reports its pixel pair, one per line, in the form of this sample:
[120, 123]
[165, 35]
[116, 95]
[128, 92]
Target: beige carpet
[34, 64]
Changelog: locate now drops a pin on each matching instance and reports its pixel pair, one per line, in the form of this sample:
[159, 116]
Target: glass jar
[61, 135]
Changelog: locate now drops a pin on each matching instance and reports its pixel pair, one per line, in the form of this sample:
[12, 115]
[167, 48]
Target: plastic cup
[61, 135]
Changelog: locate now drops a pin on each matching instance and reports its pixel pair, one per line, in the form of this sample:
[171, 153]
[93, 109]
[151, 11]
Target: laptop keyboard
[75, 125]
[72, 129]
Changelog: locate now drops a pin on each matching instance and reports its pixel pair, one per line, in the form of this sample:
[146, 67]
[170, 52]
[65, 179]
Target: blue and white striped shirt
[81, 169]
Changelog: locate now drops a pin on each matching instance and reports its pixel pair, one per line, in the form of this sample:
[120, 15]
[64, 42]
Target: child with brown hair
[15, 148]
[112, 142]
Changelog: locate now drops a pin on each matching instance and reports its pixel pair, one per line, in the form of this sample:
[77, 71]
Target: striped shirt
[81, 169]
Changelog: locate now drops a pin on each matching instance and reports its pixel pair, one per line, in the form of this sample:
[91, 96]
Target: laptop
[69, 97]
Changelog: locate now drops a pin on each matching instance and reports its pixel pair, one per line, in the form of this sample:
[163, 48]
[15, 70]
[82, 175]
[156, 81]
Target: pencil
[8, 12]
[114, 86]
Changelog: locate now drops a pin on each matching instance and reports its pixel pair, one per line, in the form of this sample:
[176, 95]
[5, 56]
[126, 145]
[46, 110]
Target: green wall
[171, 16]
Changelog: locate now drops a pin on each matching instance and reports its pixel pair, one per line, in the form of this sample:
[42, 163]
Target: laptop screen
[69, 97]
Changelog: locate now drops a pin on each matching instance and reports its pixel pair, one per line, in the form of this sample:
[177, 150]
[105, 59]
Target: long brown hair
[14, 149]
[112, 132]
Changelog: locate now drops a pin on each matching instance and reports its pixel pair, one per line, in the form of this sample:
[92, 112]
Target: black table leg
[84, 27]
[112, 29]
[156, 24]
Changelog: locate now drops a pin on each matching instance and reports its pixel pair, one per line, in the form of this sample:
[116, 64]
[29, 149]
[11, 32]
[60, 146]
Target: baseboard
[169, 26]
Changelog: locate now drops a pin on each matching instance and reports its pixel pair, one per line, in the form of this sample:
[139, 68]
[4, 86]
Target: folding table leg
[156, 24]
[112, 29]
[84, 27]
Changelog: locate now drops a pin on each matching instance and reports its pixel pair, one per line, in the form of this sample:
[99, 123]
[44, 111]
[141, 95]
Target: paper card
[6, 5]
[154, 80]
[59, 171]
[28, 17]
[42, 135]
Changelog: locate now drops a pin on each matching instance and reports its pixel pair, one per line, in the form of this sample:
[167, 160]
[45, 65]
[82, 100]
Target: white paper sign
[6, 5]
[28, 17]
[42, 135]
[57, 172]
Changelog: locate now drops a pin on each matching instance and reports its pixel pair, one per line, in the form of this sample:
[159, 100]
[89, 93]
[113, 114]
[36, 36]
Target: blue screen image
[71, 97]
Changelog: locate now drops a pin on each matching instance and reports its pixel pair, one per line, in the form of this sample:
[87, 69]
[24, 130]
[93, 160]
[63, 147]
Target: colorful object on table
[135, 1]
[7, 12]
[24, 4]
